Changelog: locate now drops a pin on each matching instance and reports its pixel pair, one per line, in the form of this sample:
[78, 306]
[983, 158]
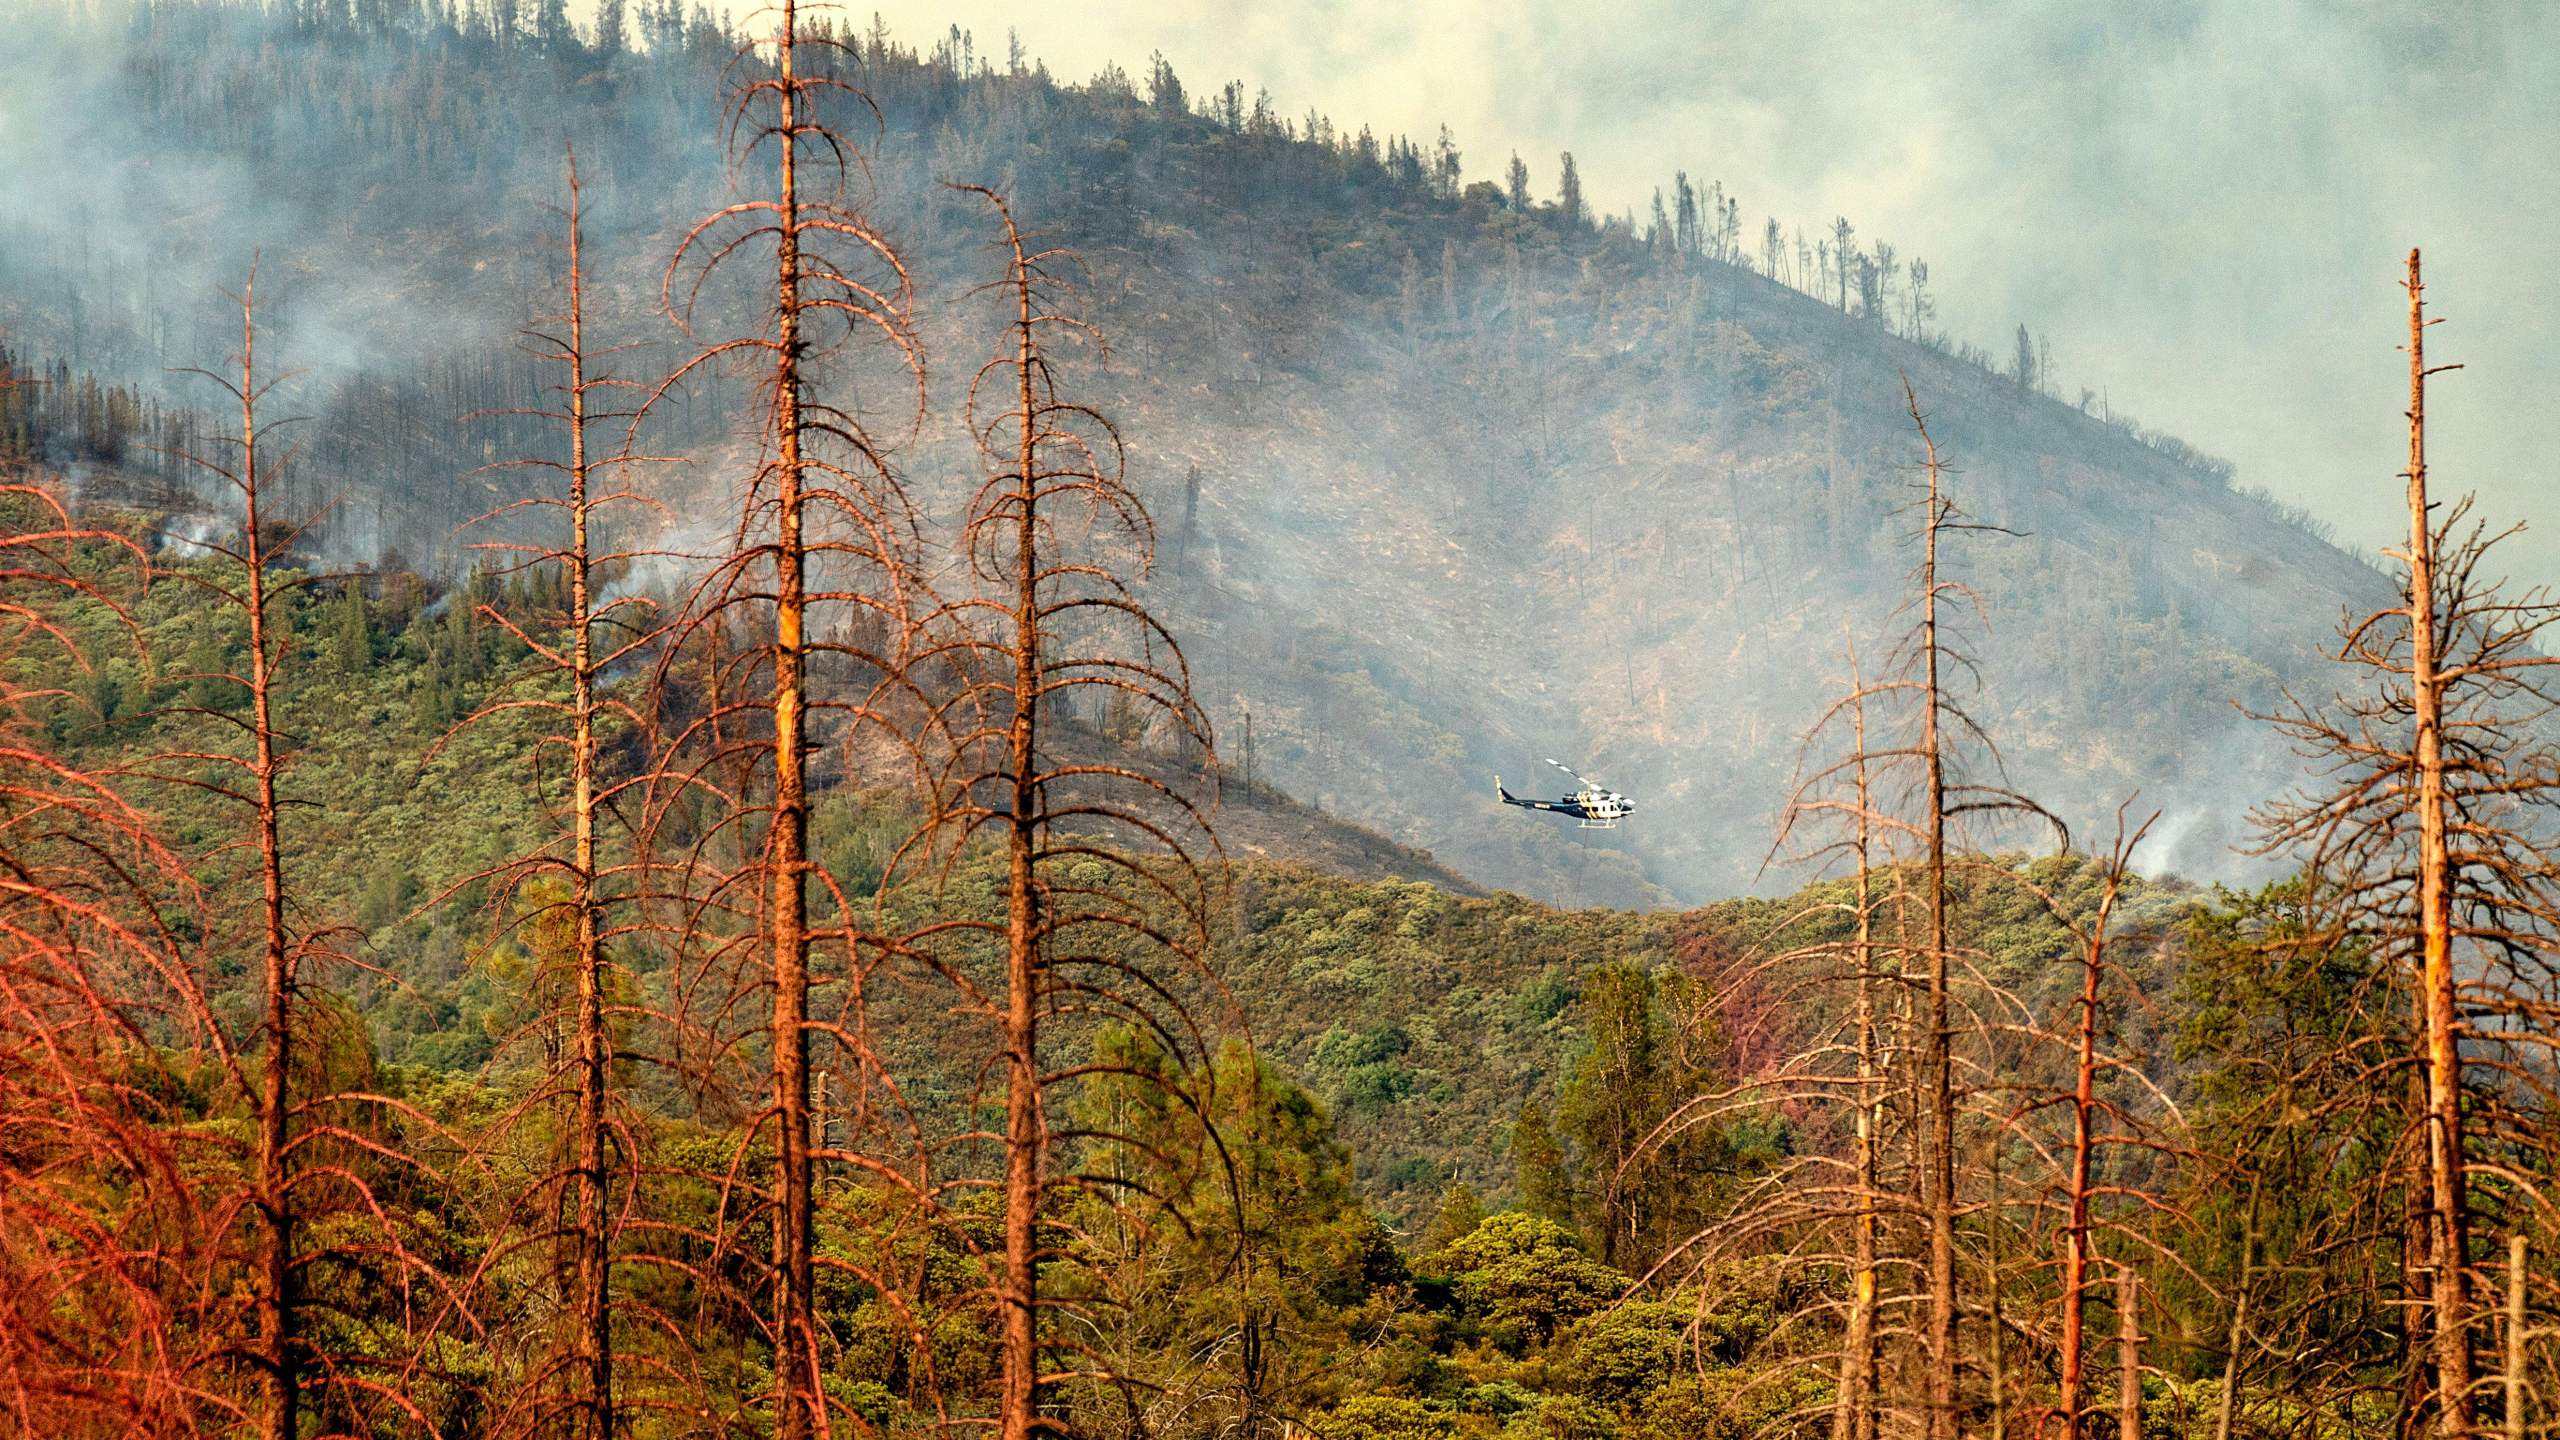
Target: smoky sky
[2204, 206]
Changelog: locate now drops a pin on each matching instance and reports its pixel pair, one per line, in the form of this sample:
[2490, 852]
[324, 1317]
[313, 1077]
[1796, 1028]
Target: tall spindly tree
[1916, 774]
[321, 1253]
[1105, 912]
[2428, 839]
[803, 630]
[579, 898]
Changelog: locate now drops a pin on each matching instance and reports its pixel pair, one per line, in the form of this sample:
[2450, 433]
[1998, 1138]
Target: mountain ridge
[1479, 481]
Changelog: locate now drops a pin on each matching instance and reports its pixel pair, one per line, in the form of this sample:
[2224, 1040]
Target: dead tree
[822, 563]
[2448, 1214]
[1855, 1414]
[2084, 1138]
[315, 1151]
[2514, 1369]
[588, 1202]
[1055, 536]
[280, 1352]
[1902, 788]
[1943, 724]
[2128, 1354]
[1859, 1348]
[2428, 836]
[1937, 1055]
[101, 1233]
[2098, 1122]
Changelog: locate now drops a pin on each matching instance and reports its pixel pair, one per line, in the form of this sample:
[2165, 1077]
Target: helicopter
[1597, 806]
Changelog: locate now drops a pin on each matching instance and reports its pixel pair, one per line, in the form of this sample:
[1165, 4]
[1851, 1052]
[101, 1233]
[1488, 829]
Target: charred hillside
[1449, 476]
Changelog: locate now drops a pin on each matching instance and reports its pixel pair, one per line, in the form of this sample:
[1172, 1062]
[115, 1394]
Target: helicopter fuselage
[1597, 809]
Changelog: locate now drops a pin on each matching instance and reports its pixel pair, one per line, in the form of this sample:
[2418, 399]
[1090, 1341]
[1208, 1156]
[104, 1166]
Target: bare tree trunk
[823, 462]
[2417, 1271]
[2448, 1211]
[276, 1306]
[1025, 1131]
[1991, 1309]
[1902, 1049]
[796, 1362]
[1856, 1416]
[594, 1043]
[2516, 1246]
[2075, 1259]
[1060, 453]
[1938, 1174]
[2128, 1354]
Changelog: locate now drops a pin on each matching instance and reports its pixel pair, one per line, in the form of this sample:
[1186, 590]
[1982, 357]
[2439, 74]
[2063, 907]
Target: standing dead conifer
[99, 1227]
[316, 1144]
[2428, 837]
[587, 1201]
[2518, 1247]
[1937, 1054]
[2448, 1215]
[2099, 1122]
[1053, 535]
[2128, 1354]
[1943, 724]
[1859, 1349]
[2084, 1135]
[1900, 784]
[823, 563]
[280, 1352]
[1850, 813]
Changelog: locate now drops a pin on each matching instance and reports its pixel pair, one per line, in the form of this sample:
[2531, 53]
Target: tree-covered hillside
[1440, 1128]
[1616, 482]
[1424, 1015]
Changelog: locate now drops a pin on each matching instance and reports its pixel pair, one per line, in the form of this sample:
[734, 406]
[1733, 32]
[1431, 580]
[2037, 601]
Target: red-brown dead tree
[1106, 911]
[319, 1240]
[803, 632]
[576, 900]
[1832, 818]
[1892, 802]
[2121, 1128]
[1934, 664]
[2428, 841]
[101, 1234]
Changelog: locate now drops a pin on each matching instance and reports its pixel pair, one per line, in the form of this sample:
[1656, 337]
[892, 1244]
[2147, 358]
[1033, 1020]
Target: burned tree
[581, 894]
[2080, 1203]
[280, 1351]
[822, 566]
[2085, 1113]
[1104, 902]
[320, 1242]
[1943, 725]
[2427, 844]
[1832, 818]
[101, 1233]
[1900, 790]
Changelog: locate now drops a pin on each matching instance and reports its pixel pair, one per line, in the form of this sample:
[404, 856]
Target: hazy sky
[2204, 203]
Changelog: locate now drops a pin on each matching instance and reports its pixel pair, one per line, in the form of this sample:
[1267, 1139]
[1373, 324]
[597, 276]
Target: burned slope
[1449, 479]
